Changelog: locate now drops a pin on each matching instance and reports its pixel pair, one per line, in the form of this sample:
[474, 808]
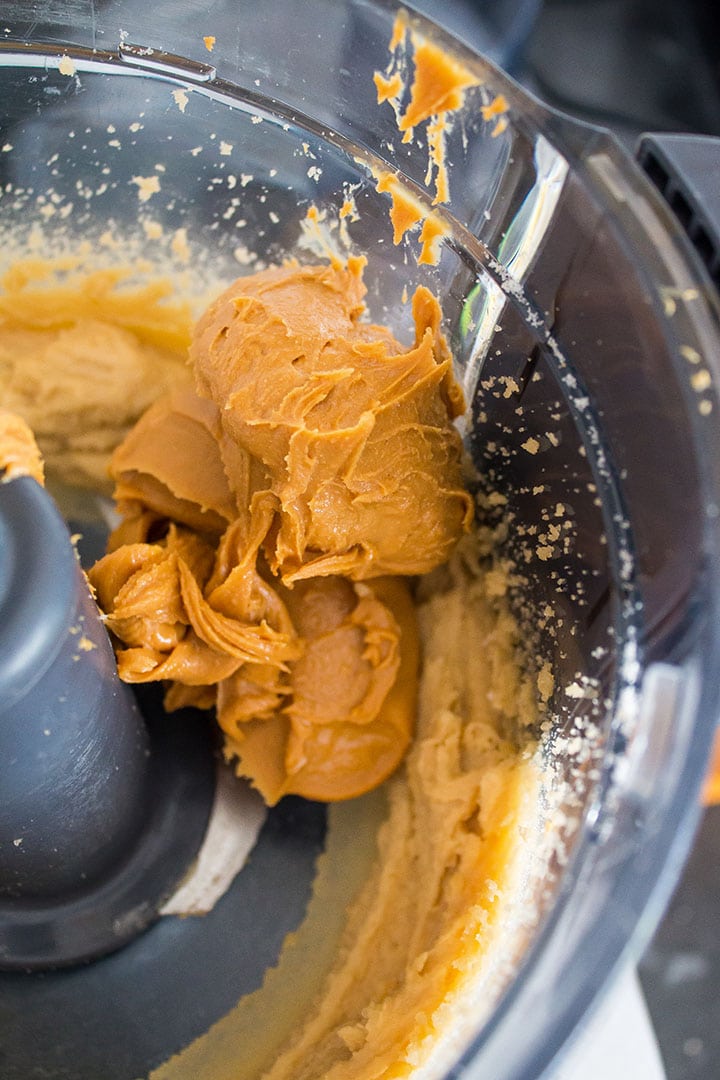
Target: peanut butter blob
[272, 519]
[352, 433]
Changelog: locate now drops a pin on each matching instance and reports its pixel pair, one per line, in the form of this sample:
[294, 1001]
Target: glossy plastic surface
[103, 809]
[585, 334]
[66, 720]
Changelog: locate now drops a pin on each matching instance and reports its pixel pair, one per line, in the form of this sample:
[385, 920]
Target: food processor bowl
[585, 335]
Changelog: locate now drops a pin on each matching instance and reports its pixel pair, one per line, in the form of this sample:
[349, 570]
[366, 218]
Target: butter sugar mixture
[59, 322]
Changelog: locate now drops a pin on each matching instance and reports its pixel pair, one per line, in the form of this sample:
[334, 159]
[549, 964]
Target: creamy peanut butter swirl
[352, 431]
[271, 521]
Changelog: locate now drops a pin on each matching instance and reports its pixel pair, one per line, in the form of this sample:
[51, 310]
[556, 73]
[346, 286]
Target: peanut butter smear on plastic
[436, 94]
[272, 519]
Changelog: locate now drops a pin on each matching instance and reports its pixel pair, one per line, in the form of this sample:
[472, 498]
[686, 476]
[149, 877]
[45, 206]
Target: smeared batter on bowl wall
[435, 95]
[437, 91]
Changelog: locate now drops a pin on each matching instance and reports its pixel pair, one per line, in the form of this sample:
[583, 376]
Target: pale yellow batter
[81, 357]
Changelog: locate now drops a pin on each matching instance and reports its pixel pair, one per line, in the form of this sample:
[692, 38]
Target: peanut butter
[270, 521]
[352, 432]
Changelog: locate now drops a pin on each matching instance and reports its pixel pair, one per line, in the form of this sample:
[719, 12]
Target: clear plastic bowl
[586, 337]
